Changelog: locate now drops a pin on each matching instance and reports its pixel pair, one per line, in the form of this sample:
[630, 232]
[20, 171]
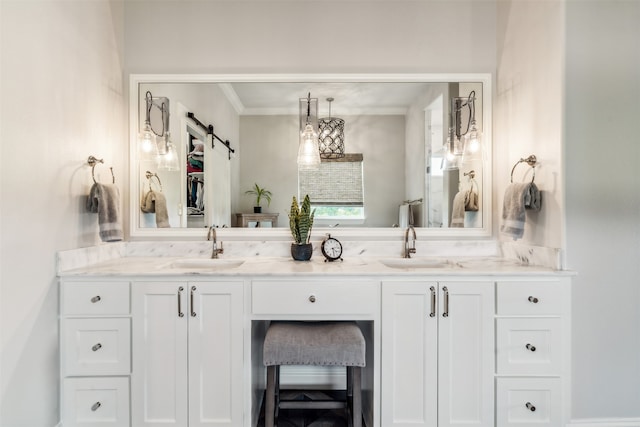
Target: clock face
[331, 249]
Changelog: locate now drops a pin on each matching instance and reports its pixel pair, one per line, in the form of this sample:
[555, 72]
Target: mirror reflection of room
[195, 183]
[455, 166]
[396, 135]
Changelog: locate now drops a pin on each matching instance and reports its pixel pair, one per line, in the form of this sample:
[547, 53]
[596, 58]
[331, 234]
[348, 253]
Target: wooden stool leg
[277, 393]
[269, 408]
[357, 396]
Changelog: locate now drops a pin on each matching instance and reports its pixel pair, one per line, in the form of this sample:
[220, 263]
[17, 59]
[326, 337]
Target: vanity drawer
[527, 346]
[96, 346]
[528, 402]
[314, 298]
[89, 402]
[95, 298]
[523, 299]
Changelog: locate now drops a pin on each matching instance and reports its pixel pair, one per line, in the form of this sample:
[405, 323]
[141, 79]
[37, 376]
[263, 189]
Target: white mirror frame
[283, 233]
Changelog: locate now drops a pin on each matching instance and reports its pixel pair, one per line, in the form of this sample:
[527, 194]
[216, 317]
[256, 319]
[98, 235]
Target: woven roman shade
[337, 182]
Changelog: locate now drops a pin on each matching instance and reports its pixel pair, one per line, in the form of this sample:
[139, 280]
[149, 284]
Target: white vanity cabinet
[438, 354]
[446, 348]
[95, 353]
[187, 353]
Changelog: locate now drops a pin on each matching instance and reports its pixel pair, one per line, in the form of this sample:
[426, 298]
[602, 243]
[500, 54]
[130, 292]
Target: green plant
[301, 220]
[260, 193]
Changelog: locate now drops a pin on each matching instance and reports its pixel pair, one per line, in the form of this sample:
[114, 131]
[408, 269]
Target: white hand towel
[517, 198]
[457, 212]
[104, 199]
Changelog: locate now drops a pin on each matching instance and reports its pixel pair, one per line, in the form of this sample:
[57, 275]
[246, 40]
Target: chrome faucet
[212, 236]
[409, 247]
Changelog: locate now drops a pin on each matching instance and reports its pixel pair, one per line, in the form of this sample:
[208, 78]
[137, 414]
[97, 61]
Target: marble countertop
[285, 266]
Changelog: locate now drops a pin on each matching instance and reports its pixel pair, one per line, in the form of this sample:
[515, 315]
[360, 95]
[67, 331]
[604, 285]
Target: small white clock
[331, 249]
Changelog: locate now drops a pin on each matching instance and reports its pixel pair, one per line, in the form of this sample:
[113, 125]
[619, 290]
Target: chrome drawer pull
[193, 312]
[180, 313]
[433, 302]
[95, 406]
[312, 298]
[96, 347]
[96, 299]
[530, 407]
[446, 302]
[533, 300]
[531, 347]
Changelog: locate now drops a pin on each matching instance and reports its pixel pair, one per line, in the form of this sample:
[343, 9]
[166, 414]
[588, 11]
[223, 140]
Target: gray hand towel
[457, 212]
[517, 198]
[104, 199]
[155, 202]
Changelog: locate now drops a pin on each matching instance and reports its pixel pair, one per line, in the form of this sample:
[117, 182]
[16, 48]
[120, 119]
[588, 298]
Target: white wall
[268, 158]
[61, 101]
[528, 111]
[603, 205]
[209, 104]
[293, 36]
[575, 106]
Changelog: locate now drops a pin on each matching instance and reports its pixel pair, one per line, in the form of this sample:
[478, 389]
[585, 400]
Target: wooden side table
[244, 219]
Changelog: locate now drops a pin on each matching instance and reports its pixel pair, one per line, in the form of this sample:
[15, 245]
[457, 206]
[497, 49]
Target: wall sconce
[308, 149]
[461, 143]
[158, 145]
[331, 136]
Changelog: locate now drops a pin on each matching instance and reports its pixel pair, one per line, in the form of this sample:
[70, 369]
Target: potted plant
[259, 193]
[301, 223]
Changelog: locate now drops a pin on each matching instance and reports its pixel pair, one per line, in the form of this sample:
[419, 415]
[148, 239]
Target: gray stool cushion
[314, 343]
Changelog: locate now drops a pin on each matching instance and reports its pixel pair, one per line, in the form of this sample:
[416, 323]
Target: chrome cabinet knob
[312, 298]
[96, 299]
[531, 347]
[533, 300]
[96, 347]
[530, 407]
[95, 406]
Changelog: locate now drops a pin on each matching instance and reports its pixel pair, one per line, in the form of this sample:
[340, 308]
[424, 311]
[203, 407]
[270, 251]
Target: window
[335, 188]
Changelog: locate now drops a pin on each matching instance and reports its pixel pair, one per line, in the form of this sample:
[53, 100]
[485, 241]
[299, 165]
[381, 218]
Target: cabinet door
[409, 359]
[215, 354]
[466, 354]
[159, 376]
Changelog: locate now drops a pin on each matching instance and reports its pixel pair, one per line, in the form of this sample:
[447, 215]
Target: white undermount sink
[205, 263]
[415, 263]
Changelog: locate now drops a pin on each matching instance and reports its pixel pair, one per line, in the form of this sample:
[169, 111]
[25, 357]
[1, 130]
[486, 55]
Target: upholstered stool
[320, 344]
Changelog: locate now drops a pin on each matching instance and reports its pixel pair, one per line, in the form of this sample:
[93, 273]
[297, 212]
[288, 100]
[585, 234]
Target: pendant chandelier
[331, 136]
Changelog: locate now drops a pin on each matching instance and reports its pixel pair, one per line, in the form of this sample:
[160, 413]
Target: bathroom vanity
[150, 341]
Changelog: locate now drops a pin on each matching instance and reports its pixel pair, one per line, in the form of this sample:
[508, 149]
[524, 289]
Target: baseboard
[605, 422]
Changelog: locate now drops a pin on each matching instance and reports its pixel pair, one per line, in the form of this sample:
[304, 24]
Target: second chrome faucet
[409, 245]
[211, 235]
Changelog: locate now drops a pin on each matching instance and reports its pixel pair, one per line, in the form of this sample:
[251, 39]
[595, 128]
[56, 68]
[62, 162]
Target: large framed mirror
[404, 155]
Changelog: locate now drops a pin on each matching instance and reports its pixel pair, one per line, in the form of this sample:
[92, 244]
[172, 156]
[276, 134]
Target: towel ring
[93, 161]
[150, 175]
[531, 161]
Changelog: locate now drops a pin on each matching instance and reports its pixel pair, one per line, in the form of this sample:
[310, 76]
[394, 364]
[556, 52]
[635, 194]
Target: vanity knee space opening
[293, 379]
